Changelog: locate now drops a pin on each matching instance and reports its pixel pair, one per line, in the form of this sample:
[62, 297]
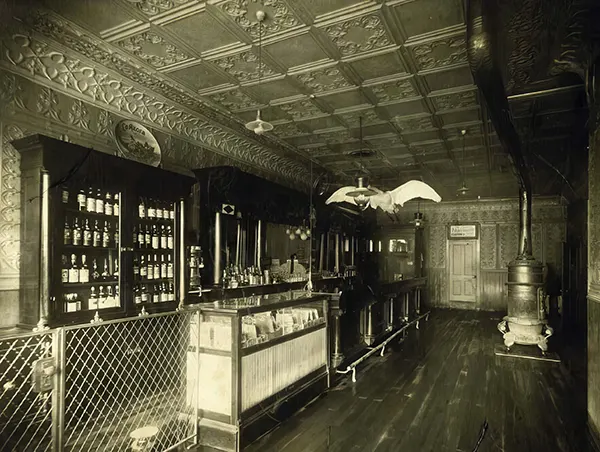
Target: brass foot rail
[352, 367]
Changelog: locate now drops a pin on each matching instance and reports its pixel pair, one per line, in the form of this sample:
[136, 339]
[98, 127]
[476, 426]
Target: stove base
[525, 332]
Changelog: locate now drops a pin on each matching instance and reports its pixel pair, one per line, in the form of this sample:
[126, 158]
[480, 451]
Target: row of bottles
[154, 293]
[158, 237]
[99, 235]
[92, 200]
[77, 270]
[152, 267]
[100, 297]
[152, 208]
[234, 276]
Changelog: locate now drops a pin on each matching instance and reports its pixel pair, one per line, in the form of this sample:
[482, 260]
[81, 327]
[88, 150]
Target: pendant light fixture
[463, 190]
[259, 126]
[418, 219]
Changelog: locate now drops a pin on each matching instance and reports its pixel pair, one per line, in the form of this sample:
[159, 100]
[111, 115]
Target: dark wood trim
[594, 435]
[263, 308]
[282, 339]
[214, 416]
[209, 351]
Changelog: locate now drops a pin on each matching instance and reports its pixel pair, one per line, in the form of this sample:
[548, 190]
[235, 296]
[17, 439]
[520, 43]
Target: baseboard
[594, 436]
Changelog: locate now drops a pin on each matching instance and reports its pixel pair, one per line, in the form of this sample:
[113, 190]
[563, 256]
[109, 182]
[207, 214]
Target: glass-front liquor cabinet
[103, 235]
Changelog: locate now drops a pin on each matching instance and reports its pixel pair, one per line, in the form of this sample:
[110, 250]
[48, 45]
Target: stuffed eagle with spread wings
[387, 201]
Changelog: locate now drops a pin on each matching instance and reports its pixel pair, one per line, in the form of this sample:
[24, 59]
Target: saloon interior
[180, 271]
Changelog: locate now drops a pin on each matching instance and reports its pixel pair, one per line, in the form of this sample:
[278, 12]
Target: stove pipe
[526, 321]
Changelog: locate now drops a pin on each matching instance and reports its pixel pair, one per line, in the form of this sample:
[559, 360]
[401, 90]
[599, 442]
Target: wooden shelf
[89, 284]
[154, 281]
[89, 248]
[71, 210]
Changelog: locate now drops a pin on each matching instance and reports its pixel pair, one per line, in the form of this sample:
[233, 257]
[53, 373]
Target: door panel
[463, 270]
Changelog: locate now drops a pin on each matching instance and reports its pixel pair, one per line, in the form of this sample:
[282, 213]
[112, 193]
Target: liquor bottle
[142, 208]
[84, 271]
[150, 267]
[116, 236]
[164, 295]
[106, 235]
[87, 234]
[137, 295]
[172, 211]
[65, 194]
[116, 205]
[108, 205]
[163, 267]
[151, 209]
[135, 236]
[93, 301]
[170, 237]
[102, 297]
[169, 267]
[141, 239]
[166, 211]
[156, 294]
[116, 270]
[105, 276]
[155, 237]
[171, 292]
[81, 200]
[77, 233]
[159, 210]
[156, 267]
[99, 202]
[143, 268]
[68, 238]
[64, 271]
[148, 237]
[95, 271]
[117, 296]
[163, 237]
[110, 296]
[97, 235]
[91, 201]
[136, 268]
[73, 270]
[144, 294]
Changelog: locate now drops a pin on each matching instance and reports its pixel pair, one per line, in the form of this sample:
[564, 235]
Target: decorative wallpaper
[488, 238]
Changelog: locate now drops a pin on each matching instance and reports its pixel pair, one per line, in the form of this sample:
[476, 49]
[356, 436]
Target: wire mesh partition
[125, 375]
[106, 381]
[25, 415]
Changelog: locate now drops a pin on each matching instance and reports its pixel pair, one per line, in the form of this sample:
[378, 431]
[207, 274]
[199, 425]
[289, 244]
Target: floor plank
[434, 391]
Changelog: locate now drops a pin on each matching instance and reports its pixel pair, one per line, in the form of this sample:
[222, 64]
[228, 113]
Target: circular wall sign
[137, 143]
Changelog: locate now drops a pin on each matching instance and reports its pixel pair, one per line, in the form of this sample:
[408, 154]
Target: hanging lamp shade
[258, 126]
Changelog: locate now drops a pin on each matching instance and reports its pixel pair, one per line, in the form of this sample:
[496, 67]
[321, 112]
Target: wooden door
[463, 270]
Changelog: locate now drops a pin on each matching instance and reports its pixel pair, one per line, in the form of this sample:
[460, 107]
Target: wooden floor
[434, 392]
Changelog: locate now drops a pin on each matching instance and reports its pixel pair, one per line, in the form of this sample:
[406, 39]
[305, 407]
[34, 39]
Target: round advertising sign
[137, 143]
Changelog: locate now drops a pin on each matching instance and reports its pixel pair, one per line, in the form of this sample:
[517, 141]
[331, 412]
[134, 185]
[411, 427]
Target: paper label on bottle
[65, 275]
[166, 213]
[148, 238]
[151, 212]
[65, 196]
[143, 271]
[170, 242]
[155, 298]
[142, 211]
[99, 206]
[97, 238]
[144, 298]
[77, 237]
[150, 272]
[108, 209]
[73, 275]
[105, 239]
[169, 271]
[115, 209]
[172, 214]
[87, 238]
[163, 242]
[155, 242]
[141, 238]
[81, 201]
[67, 240]
[159, 213]
[84, 275]
[91, 204]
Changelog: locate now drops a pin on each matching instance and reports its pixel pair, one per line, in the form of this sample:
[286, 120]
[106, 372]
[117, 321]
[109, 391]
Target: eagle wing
[414, 189]
[340, 195]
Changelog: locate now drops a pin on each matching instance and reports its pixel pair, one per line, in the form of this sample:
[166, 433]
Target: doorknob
[475, 277]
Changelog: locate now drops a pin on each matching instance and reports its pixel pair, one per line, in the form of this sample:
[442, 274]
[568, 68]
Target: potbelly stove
[526, 322]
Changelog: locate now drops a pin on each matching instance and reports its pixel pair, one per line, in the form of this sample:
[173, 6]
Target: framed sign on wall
[462, 231]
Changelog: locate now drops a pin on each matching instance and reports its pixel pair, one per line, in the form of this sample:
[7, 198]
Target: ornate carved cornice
[222, 131]
[49, 66]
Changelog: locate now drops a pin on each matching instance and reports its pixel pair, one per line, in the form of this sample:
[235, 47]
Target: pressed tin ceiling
[401, 65]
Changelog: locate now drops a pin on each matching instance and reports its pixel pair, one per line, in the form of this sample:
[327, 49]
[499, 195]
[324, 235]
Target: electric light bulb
[298, 231]
[259, 129]
[292, 236]
[303, 236]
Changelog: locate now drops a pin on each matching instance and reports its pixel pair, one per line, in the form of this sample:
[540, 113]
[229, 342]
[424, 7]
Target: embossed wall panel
[488, 246]
[437, 246]
[509, 243]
